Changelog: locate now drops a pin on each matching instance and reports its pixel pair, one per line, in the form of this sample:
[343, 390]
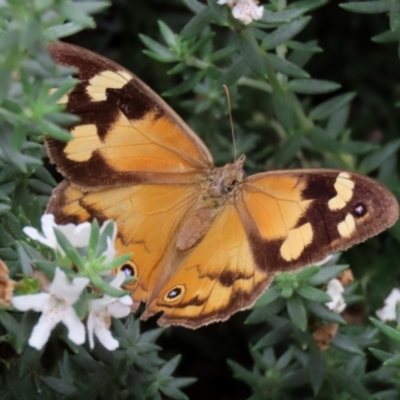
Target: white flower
[335, 289]
[56, 306]
[245, 11]
[388, 312]
[78, 235]
[100, 312]
[230, 3]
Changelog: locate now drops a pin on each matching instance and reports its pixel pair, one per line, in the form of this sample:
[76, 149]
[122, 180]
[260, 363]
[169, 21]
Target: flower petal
[388, 312]
[118, 309]
[41, 332]
[90, 329]
[76, 329]
[70, 291]
[105, 338]
[78, 235]
[34, 302]
[118, 280]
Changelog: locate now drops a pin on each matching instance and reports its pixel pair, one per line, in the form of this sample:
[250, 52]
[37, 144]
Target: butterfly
[206, 242]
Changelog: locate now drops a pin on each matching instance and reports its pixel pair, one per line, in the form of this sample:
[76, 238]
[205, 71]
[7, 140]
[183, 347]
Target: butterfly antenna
[228, 98]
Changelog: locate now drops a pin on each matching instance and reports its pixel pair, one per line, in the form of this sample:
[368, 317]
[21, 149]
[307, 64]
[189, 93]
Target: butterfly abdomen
[218, 188]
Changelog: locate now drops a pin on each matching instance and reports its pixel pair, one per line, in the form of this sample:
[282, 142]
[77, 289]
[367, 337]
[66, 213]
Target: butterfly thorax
[218, 188]
[223, 181]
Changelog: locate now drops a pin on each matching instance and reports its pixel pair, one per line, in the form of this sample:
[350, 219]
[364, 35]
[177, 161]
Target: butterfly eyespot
[175, 293]
[359, 210]
[129, 269]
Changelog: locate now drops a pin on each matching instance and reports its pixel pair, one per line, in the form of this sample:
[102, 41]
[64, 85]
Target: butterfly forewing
[126, 134]
[297, 218]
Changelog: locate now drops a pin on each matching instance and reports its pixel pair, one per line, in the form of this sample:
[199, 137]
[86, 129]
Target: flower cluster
[245, 11]
[57, 302]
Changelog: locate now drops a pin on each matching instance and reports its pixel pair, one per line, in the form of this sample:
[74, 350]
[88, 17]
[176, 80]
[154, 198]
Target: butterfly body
[206, 241]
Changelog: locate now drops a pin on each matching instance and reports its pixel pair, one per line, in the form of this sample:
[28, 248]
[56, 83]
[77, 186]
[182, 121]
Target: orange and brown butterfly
[206, 242]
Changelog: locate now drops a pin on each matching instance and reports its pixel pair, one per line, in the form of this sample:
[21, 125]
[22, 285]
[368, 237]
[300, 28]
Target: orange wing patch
[142, 145]
[276, 204]
[215, 279]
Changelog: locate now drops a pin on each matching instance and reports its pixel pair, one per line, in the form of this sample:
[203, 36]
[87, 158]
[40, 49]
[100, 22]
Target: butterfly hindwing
[214, 279]
[148, 219]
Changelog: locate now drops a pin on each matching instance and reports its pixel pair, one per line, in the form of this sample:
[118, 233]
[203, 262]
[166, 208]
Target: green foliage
[288, 112]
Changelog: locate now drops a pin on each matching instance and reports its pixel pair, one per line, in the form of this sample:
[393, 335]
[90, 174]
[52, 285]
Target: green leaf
[219, 14]
[267, 297]
[194, 5]
[348, 383]
[277, 335]
[235, 71]
[280, 17]
[185, 86]
[321, 141]
[283, 110]
[323, 312]
[394, 15]
[167, 34]
[162, 52]
[24, 259]
[315, 369]
[386, 37]
[377, 158]
[105, 287]
[94, 237]
[9, 323]
[307, 5]
[367, 7]
[308, 47]
[307, 273]
[222, 53]
[312, 86]
[354, 147]
[288, 151]
[29, 361]
[325, 274]
[393, 362]
[284, 66]
[196, 25]
[311, 293]
[387, 330]
[380, 355]
[69, 250]
[53, 130]
[284, 33]
[346, 343]
[251, 53]
[329, 107]
[169, 368]
[173, 393]
[91, 7]
[297, 312]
